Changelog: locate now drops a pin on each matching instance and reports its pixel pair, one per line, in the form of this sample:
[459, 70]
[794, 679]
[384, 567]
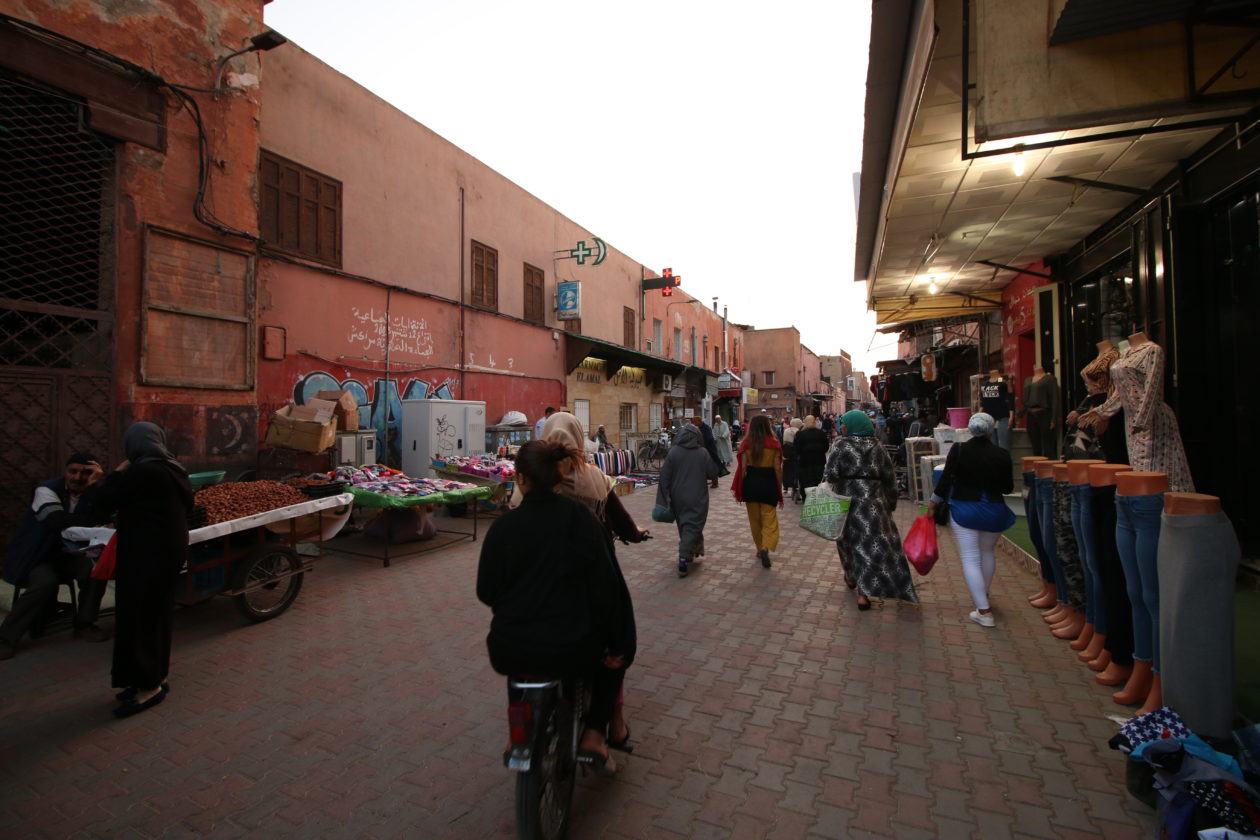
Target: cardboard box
[308, 428]
[347, 409]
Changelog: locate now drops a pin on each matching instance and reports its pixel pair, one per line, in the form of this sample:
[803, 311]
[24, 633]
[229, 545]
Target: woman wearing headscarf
[758, 484]
[722, 436]
[977, 473]
[684, 490]
[789, 456]
[152, 499]
[870, 548]
[811, 454]
[585, 482]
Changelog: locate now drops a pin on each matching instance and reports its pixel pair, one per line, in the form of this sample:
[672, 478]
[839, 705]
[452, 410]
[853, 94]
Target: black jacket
[974, 466]
[811, 455]
[38, 535]
[559, 600]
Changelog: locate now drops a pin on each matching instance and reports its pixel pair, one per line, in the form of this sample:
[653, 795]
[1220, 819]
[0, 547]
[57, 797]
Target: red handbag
[104, 568]
[920, 544]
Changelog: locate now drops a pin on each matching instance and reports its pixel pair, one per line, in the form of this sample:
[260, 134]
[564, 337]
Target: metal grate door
[56, 289]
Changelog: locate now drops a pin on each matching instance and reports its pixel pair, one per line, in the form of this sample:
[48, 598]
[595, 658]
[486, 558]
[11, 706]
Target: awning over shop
[735, 393]
[579, 347]
[901, 310]
[1091, 18]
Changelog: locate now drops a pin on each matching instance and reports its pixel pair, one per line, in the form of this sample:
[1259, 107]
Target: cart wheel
[271, 578]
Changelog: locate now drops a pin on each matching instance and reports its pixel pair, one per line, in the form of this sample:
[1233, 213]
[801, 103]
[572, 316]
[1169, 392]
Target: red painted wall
[1019, 317]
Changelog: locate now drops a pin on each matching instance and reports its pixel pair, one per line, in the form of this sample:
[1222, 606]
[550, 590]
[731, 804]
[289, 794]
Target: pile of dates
[236, 499]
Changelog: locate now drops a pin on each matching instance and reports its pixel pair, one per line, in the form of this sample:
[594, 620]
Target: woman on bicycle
[561, 606]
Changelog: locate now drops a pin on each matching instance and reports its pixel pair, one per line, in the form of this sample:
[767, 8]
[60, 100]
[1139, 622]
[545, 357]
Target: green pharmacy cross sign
[582, 252]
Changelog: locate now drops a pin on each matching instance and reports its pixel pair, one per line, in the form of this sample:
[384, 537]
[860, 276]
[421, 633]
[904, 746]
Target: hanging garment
[1151, 430]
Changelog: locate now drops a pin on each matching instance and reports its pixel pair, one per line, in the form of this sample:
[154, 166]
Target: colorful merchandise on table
[378, 478]
[486, 466]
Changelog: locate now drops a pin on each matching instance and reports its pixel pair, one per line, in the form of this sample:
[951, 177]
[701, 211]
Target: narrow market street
[762, 704]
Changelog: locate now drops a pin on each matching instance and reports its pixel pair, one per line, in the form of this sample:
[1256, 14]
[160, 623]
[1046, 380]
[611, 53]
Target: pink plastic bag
[920, 544]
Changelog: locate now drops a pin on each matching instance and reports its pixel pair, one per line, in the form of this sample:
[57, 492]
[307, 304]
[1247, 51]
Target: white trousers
[978, 560]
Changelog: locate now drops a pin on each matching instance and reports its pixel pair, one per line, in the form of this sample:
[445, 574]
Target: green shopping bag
[824, 512]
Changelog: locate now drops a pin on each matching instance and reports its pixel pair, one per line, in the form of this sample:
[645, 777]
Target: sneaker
[982, 619]
[92, 633]
[682, 567]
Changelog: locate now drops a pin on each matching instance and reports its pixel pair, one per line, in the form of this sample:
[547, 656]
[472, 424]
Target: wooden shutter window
[627, 319]
[485, 276]
[300, 210]
[534, 297]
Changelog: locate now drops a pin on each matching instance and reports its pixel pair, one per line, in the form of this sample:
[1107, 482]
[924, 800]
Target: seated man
[36, 561]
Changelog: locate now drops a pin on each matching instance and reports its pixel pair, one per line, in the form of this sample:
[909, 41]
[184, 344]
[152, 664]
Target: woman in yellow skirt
[758, 484]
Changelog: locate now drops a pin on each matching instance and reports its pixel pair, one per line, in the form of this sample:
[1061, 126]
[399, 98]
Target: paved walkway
[763, 704]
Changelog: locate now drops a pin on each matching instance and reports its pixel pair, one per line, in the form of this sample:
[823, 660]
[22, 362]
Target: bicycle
[652, 452]
[545, 720]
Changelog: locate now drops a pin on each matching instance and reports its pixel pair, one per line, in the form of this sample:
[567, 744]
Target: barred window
[629, 418]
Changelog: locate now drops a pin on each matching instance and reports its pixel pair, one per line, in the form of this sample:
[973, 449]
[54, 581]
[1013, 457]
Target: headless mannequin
[1072, 624]
[1144, 686]
[1191, 504]
[1046, 597]
[1088, 640]
[1110, 673]
[1044, 468]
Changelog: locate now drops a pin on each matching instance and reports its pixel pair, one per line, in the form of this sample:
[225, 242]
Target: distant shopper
[758, 483]
[870, 549]
[811, 455]
[722, 434]
[710, 445]
[977, 473]
[683, 489]
[789, 457]
[538, 425]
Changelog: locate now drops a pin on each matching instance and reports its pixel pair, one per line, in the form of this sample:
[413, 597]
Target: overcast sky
[716, 138]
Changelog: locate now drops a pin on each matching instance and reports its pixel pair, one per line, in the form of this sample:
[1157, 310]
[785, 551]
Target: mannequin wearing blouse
[1151, 430]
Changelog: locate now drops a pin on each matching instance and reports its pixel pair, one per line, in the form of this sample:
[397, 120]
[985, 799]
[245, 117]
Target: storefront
[627, 392]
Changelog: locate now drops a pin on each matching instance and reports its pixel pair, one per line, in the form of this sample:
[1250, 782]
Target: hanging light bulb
[933, 288]
[1018, 166]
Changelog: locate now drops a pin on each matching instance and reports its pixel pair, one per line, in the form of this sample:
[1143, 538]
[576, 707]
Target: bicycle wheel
[545, 792]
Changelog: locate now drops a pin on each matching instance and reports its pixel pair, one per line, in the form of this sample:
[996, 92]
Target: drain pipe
[463, 355]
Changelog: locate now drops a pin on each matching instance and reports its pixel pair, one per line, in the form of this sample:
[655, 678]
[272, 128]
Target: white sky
[716, 137]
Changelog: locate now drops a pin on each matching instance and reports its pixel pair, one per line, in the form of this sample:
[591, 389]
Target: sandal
[623, 745]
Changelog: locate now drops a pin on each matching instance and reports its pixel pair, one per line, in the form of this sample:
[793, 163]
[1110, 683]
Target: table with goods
[499, 474]
[407, 502]
[243, 537]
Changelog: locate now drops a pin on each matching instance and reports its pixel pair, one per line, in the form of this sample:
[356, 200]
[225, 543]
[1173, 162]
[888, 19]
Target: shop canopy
[580, 347]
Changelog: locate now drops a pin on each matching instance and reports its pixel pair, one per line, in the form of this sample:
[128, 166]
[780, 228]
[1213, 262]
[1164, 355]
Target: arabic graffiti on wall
[380, 403]
[406, 334]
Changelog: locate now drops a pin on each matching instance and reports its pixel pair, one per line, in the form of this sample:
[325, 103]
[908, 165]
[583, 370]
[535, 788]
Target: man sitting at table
[36, 561]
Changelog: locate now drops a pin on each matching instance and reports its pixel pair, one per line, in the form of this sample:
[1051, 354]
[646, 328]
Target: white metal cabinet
[439, 429]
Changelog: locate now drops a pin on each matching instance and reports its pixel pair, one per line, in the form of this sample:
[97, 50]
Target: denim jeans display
[1137, 540]
[1045, 516]
[1032, 515]
[1083, 527]
[1106, 561]
[1003, 433]
[1065, 550]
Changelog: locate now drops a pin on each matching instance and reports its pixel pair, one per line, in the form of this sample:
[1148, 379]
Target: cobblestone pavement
[763, 704]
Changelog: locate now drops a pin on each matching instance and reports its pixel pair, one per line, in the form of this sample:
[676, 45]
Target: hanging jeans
[1065, 550]
[1083, 527]
[1137, 540]
[1105, 559]
[1033, 518]
[1045, 516]
[1003, 435]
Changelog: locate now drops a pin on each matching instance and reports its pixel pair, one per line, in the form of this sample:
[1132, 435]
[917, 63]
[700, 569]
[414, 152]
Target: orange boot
[1083, 640]
[1138, 686]
[1101, 661]
[1154, 697]
[1071, 629]
[1044, 598]
[1095, 650]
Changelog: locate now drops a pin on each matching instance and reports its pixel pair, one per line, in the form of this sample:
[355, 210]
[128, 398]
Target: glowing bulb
[1018, 165]
[933, 288]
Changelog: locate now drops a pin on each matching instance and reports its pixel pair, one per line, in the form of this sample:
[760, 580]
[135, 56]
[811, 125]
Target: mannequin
[995, 400]
[1139, 505]
[1151, 431]
[1066, 550]
[1115, 663]
[1043, 471]
[1046, 596]
[1198, 562]
[1041, 402]
[1083, 527]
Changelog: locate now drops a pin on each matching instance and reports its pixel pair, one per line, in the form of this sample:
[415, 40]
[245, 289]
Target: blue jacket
[38, 536]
